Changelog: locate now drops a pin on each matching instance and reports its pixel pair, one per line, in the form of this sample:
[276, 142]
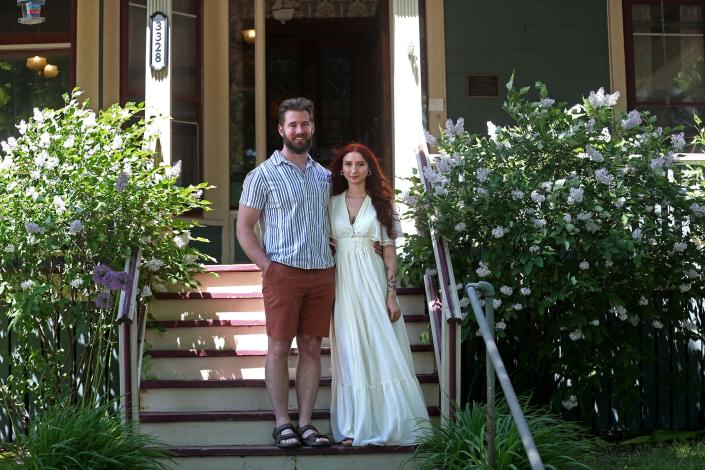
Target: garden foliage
[80, 192]
[588, 227]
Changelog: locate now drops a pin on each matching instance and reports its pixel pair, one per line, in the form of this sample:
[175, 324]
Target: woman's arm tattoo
[391, 279]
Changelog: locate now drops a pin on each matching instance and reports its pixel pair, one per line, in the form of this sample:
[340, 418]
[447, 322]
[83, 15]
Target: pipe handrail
[496, 366]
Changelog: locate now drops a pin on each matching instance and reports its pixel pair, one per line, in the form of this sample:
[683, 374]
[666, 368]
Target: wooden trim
[616, 44]
[43, 38]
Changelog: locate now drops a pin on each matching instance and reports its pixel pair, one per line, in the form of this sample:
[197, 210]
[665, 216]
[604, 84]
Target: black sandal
[311, 440]
[279, 438]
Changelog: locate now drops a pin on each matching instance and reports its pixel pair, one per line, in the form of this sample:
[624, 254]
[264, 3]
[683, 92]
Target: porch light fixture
[282, 12]
[248, 35]
[31, 11]
[50, 71]
[36, 63]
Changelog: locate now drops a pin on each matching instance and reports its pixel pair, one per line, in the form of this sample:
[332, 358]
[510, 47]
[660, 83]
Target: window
[186, 57]
[664, 45]
[36, 62]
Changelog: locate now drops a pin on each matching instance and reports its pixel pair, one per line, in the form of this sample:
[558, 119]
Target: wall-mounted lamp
[36, 63]
[50, 71]
[248, 35]
[31, 11]
[282, 12]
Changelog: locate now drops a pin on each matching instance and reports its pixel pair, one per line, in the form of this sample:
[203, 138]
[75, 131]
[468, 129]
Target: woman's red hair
[377, 185]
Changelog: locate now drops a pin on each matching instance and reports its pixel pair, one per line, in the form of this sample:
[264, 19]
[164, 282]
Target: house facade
[379, 71]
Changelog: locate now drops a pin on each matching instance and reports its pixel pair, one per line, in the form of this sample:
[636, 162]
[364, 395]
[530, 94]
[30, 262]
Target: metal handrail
[494, 365]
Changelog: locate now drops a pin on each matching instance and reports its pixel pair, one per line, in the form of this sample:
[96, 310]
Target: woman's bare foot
[347, 442]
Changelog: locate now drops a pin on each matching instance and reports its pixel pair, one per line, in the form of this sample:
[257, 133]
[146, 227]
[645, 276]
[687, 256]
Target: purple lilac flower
[121, 182]
[104, 300]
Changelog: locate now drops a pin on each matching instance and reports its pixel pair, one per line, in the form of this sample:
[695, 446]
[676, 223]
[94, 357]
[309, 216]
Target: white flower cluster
[620, 311]
[533, 249]
[684, 287]
[662, 162]
[593, 154]
[525, 291]
[539, 223]
[446, 163]
[430, 140]
[567, 218]
[464, 302]
[460, 226]
[500, 325]
[657, 324]
[584, 265]
[619, 203]
[546, 102]
[633, 120]
[483, 270]
[517, 195]
[605, 135]
[680, 247]
[518, 307]
[506, 290]
[482, 174]
[636, 234]
[181, 240]
[570, 403]
[453, 130]
[154, 264]
[678, 141]
[595, 322]
[603, 176]
[601, 99]
[697, 210]
[497, 303]
[499, 231]
[643, 301]
[537, 197]
[576, 195]
[576, 334]
[583, 216]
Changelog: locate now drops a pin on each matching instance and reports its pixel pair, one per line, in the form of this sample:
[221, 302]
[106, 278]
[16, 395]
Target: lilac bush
[587, 225]
[79, 192]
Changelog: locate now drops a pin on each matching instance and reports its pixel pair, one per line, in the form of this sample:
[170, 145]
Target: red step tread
[158, 384]
[206, 295]
[237, 451]
[195, 353]
[418, 318]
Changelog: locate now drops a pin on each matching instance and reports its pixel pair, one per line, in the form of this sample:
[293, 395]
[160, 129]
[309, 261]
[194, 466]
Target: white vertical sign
[159, 41]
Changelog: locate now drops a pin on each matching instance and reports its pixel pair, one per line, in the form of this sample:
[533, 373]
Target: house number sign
[159, 41]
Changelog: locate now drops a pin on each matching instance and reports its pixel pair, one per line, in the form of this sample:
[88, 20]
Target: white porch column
[406, 99]
[157, 86]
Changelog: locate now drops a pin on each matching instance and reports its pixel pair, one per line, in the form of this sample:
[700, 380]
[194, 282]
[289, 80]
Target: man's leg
[308, 376]
[276, 377]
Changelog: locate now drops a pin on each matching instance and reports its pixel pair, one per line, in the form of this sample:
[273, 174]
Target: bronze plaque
[483, 86]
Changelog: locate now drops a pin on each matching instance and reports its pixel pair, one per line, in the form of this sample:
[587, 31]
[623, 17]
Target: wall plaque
[483, 86]
[158, 41]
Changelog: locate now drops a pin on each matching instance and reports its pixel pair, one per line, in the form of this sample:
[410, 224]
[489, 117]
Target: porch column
[406, 96]
[157, 86]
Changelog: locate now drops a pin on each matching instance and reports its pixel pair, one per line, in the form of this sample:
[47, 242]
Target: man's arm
[247, 217]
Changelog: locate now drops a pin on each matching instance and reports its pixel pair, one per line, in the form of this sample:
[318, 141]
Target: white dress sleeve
[385, 238]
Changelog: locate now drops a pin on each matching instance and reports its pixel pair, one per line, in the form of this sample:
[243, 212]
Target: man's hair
[295, 104]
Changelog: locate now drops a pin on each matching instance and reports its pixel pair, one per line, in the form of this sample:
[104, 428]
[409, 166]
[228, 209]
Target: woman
[376, 396]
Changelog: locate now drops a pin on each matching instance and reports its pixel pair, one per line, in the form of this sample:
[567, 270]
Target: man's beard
[298, 149]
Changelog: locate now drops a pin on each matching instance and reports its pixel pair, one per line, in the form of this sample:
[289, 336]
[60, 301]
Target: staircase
[202, 390]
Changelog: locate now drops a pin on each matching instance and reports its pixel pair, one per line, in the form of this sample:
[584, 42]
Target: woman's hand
[393, 307]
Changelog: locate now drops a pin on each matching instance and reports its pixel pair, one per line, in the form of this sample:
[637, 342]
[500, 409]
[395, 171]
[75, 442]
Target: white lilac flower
[576, 334]
[603, 176]
[546, 185]
[44, 139]
[680, 246]
[181, 240]
[174, 171]
[460, 226]
[453, 130]
[583, 216]
[697, 210]
[537, 197]
[506, 290]
[32, 227]
[199, 194]
[620, 311]
[546, 102]
[518, 307]
[592, 226]
[483, 270]
[539, 223]
[482, 191]
[643, 301]
[35, 174]
[601, 99]
[41, 158]
[430, 139]
[51, 163]
[146, 292]
[584, 265]
[576, 195]
[608, 264]
[154, 264]
[76, 227]
[500, 325]
[567, 218]
[116, 144]
[620, 202]
[499, 231]
[529, 210]
[191, 259]
[517, 195]
[76, 283]
[121, 182]
[633, 120]
[605, 135]
[625, 169]
[59, 205]
[22, 127]
[492, 131]
[533, 249]
[649, 209]
[684, 287]
[497, 303]
[594, 154]
[482, 174]
[10, 249]
[636, 234]
[678, 141]
[634, 320]
[657, 324]
[32, 192]
[69, 142]
[590, 124]
[595, 323]
[27, 285]
[691, 273]
[525, 291]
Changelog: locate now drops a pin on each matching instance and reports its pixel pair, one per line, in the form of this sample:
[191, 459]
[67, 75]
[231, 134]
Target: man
[289, 194]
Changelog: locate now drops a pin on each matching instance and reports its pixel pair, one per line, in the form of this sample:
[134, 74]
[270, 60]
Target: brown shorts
[298, 301]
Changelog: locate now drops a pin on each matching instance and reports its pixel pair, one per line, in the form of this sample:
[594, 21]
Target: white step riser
[227, 309]
[238, 398]
[294, 462]
[229, 337]
[248, 367]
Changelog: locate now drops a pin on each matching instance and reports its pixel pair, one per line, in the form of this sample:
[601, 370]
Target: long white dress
[376, 397]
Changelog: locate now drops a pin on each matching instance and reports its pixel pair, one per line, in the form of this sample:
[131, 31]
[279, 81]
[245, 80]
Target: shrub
[79, 192]
[78, 437]
[586, 226]
[462, 442]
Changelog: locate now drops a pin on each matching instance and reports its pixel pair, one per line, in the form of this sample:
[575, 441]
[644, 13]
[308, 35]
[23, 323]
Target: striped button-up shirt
[294, 217]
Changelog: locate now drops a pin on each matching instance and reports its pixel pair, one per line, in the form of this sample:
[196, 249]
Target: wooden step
[242, 394]
[232, 364]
